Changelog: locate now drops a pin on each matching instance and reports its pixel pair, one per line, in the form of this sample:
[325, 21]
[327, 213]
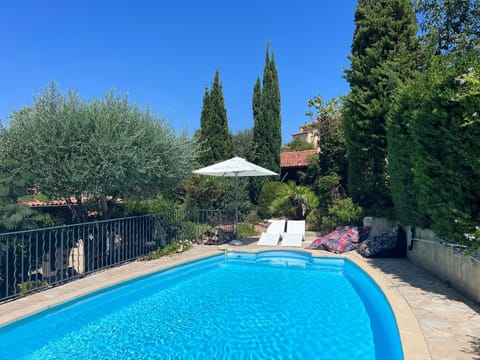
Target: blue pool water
[271, 305]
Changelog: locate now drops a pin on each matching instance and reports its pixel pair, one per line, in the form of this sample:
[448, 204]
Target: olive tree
[96, 152]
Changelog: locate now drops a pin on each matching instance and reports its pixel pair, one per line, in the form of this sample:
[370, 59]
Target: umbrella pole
[235, 225]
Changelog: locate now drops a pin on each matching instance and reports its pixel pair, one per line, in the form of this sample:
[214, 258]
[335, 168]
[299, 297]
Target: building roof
[295, 158]
[60, 202]
[300, 133]
[56, 202]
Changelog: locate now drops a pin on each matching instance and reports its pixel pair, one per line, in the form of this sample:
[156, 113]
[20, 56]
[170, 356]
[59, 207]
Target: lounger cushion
[391, 243]
[342, 239]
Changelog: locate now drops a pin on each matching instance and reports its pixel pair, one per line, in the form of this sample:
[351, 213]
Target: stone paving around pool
[435, 321]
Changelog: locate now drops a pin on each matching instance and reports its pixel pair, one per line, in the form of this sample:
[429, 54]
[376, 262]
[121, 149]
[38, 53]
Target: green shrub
[154, 206]
[294, 202]
[246, 230]
[268, 194]
[313, 222]
[252, 217]
[26, 286]
[44, 220]
[343, 212]
[170, 249]
[186, 230]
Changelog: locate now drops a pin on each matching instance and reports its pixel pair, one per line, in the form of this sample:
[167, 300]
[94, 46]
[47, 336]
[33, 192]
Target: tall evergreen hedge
[445, 138]
[383, 56]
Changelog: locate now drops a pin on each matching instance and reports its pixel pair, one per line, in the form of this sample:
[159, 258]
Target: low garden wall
[446, 261]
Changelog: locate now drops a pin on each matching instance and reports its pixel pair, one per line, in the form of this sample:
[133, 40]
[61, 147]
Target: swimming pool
[267, 305]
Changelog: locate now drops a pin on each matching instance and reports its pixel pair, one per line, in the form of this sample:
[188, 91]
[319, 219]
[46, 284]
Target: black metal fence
[36, 259]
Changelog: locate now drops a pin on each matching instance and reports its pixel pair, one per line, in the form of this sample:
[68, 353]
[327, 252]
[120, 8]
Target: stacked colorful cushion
[342, 239]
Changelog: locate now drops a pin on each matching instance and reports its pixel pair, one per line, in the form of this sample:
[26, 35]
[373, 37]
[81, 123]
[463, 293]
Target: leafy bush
[157, 205]
[246, 230]
[298, 144]
[313, 222]
[343, 212]
[27, 286]
[45, 220]
[294, 202]
[173, 248]
[268, 194]
[252, 217]
[203, 192]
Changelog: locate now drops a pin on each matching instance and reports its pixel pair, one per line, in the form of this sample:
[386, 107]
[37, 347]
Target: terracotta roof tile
[56, 202]
[59, 202]
[295, 158]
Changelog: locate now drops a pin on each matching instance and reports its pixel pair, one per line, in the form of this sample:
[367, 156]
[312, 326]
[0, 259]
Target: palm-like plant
[293, 201]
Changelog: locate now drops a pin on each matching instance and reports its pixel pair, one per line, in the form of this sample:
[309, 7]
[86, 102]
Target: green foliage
[449, 25]
[211, 193]
[470, 83]
[330, 189]
[328, 170]
[154, 206]
[384, 55]
[313, 222]
[246, 230]
[203, 192]
[268, 194]
[242, 143]
[170, 249]
[45, 220]
[30, 197]
[187, 230]
[298, 145]
[216, 139]
[256, 184]
[15, 260]
[268, 136]
[13, 185]
[324, 111]
[444, 154]
[293, 202]
[400, 152]
[167, 250]
[252, 217]
[343, 212]
[267, 127]
[27, 286]
[107, 149]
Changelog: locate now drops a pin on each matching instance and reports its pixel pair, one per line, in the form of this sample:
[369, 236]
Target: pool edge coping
[413, 340]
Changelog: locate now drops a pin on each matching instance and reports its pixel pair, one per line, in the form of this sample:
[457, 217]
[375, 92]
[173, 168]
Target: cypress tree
[383, 55]
[257, 106]
[272, 124]
[216, 139]
[267, 128]
[205, 156]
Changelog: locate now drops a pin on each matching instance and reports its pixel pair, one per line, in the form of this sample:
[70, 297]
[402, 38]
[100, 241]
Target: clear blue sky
[164, 53]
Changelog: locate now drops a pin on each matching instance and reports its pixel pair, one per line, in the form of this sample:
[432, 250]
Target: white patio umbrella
[235, 167]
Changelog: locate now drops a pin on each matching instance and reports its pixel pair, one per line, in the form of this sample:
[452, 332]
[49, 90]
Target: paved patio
[435, 322]
[449, 322]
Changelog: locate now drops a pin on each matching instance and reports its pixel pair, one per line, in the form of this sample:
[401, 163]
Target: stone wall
[378, 225]
[461, 272]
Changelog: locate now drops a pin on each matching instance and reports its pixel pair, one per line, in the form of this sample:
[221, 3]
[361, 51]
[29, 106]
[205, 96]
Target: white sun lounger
[295, 233]
[274, 231]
